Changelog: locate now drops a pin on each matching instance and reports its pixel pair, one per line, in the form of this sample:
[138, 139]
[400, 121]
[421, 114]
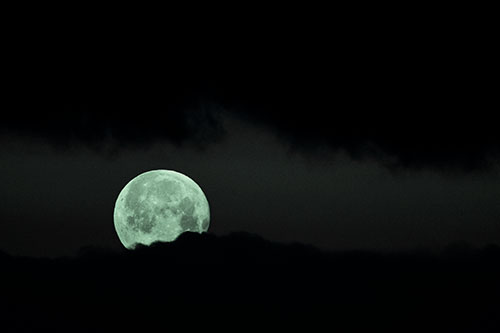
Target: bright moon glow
[159, 205]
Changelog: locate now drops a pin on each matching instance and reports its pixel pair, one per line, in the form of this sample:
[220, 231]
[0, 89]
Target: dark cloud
[128, 122]
[415, 96]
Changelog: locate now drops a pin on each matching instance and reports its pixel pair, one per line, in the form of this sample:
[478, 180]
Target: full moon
[159, 205]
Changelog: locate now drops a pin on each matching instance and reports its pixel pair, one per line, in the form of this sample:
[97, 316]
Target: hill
[242, 281]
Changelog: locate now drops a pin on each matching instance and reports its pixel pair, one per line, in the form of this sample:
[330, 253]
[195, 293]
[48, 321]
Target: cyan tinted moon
[159, 205]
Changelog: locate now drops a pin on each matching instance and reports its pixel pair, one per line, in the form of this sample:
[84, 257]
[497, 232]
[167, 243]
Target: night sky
[350, 158]
[354, 137]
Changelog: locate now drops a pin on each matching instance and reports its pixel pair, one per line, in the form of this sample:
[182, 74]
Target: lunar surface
[159, 205]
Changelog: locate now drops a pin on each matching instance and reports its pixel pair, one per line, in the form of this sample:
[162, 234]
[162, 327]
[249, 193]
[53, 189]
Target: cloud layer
[414, 98]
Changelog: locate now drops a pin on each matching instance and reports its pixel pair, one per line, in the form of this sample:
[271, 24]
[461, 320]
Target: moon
[159, 205]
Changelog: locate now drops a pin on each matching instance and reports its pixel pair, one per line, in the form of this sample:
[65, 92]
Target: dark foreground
[242, 282]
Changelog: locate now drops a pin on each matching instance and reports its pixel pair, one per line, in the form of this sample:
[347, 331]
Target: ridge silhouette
[238, 281]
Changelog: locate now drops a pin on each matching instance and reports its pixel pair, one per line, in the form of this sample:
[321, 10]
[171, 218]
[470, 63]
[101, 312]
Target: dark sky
[360, 136]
